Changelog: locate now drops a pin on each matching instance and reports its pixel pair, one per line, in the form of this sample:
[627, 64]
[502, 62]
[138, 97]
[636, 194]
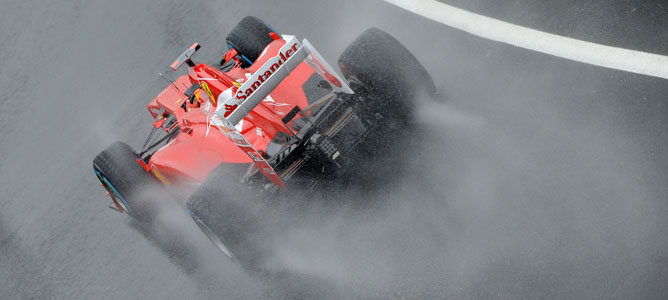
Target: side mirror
[185, 57]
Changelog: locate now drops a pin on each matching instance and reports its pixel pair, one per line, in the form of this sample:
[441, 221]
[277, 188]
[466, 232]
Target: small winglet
[185, 57]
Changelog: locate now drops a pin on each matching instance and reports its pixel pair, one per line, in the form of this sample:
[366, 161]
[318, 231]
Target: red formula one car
[272, 115]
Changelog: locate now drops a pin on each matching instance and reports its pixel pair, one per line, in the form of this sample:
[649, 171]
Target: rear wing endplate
[240, 141]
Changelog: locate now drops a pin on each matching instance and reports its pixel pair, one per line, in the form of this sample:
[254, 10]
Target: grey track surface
[539, 178]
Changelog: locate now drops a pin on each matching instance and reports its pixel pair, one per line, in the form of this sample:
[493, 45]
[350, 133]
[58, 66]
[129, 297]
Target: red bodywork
[199, 147]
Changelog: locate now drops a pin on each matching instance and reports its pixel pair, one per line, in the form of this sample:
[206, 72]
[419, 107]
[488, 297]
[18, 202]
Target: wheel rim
[211, 235]
[114, 194]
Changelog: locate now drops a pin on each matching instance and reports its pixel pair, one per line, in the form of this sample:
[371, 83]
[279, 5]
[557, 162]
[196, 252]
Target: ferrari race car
[272, 116]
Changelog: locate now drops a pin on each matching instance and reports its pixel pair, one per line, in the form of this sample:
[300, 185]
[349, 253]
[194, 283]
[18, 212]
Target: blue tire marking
[272, 30]
[246, 58]
[242, 56]
[125, 203]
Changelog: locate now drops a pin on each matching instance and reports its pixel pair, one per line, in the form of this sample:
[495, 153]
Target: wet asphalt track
[545, 178]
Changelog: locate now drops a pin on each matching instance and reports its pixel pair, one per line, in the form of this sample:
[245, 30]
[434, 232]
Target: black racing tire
[249, 37]
[127, 182]
[228, 213]
[379, 66]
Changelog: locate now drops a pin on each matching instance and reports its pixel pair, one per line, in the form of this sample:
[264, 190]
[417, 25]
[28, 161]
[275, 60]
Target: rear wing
[230, 111]
[272, 73]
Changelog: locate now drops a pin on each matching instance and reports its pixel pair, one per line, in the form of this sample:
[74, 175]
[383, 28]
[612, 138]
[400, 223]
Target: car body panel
[198, 148]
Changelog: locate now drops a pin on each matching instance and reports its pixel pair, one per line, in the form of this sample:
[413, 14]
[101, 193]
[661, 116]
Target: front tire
[249, 38]
[126, 181]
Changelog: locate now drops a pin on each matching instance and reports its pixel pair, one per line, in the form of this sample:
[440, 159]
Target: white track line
[577, 50]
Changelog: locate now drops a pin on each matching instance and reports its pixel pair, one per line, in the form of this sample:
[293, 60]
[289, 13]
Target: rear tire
[228, 213]
[249, 38]
[381, 68]
[126, 181]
